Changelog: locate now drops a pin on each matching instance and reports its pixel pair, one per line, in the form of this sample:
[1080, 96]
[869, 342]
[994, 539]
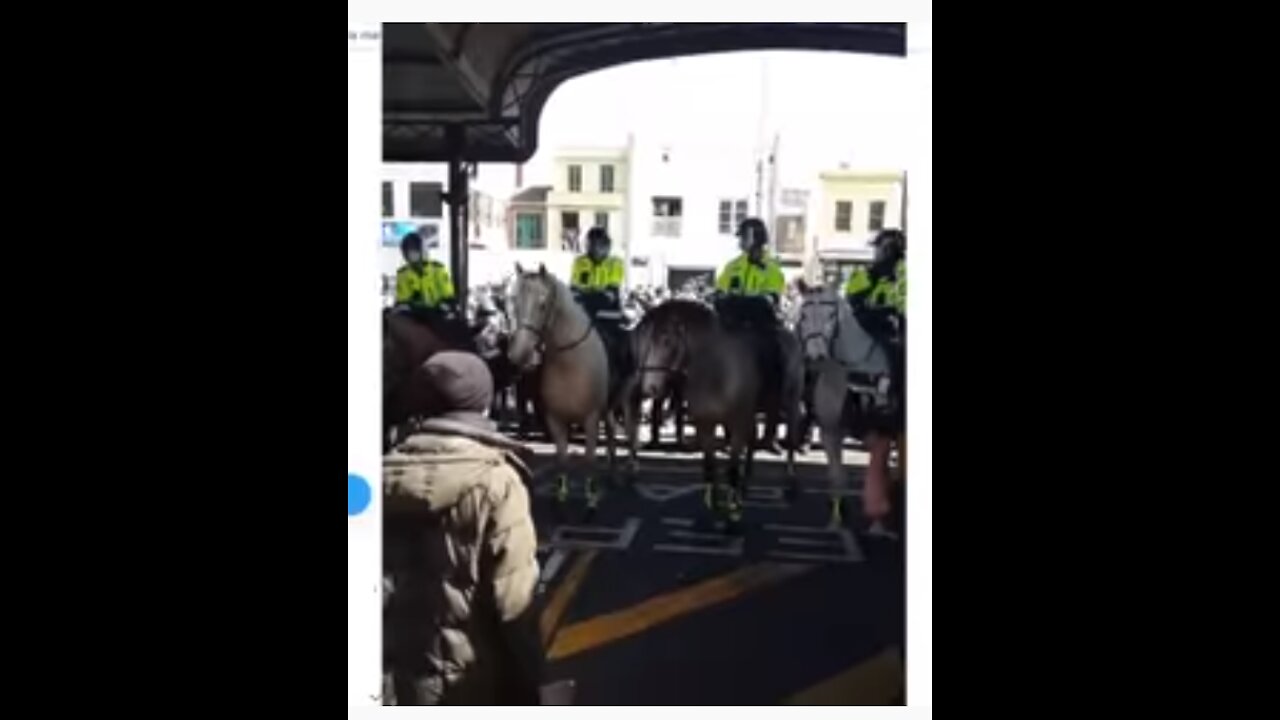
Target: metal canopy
[474, 92]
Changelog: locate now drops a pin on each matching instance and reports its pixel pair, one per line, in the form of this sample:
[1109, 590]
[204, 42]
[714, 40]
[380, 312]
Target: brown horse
[722, 389]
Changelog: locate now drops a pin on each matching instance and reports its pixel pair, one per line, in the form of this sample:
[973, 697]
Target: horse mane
[699, 313]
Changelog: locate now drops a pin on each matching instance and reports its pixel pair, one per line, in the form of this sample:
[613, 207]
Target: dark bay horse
[407, 342]
[722, 387]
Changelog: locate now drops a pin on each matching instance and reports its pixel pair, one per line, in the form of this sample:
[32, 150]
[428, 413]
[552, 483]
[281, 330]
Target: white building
[687, 202]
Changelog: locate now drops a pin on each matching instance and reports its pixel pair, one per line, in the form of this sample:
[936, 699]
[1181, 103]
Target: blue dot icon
[358, 495]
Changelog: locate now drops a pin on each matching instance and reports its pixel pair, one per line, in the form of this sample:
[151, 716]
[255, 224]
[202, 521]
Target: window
[529, 231]
[575, 178]
[606, 178]
[875, 222]
[602, 221]
[388, 200]
[569, 230]
[667, 214]
[844, 216]
[668, 207]
[424, 200]
[732, 213]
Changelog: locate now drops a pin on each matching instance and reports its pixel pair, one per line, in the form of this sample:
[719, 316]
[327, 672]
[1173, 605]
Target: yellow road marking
[604, 629]
[563, 594]
[877, 681]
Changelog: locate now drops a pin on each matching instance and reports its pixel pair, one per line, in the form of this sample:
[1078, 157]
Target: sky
[829, 108]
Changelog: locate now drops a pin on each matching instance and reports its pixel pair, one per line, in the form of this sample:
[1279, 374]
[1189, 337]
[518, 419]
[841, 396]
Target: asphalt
[648, 601]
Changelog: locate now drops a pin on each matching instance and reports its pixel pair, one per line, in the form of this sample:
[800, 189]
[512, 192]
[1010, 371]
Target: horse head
[535, 303]
[663, 342]
[818, 323]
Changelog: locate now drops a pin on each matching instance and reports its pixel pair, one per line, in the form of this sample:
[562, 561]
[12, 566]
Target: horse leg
[655, 422]
[560, 434]
[769, 439]
[740, 441]
[590, 435]
[677, 404]
[611, 425]
[793, 481]
[833, 442]
[707, 438]
[631, 417]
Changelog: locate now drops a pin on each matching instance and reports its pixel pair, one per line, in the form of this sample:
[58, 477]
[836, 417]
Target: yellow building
[589, 190]
[855, 205]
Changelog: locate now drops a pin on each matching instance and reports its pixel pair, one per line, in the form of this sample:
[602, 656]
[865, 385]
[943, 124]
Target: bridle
[672, 370]
[541, 332]
[822, 334]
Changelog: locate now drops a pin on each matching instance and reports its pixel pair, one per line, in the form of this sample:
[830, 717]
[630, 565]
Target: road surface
[647, 603]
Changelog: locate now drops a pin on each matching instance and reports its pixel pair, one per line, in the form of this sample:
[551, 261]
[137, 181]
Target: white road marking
[622, 536]
[553, 565]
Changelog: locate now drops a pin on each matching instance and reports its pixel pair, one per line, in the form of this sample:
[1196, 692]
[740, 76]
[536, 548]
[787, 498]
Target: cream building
[854, 206]
[589, 190]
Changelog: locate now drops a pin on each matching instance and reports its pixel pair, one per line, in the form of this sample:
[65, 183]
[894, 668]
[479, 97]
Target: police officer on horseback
[750, 288]
[596, 282]
[424, 289]
[878, 295]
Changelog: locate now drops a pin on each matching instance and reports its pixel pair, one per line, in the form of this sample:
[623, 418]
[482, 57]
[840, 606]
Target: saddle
[450, 328]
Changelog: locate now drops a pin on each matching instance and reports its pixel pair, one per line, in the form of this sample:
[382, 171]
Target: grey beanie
[461, 381]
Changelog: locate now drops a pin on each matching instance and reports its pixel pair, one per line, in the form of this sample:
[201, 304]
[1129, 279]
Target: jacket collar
[474, 426]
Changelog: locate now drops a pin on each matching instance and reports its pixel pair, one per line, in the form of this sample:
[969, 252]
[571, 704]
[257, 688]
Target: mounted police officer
[424, 290]
[878, 296]
[596, 282]
[750, 288]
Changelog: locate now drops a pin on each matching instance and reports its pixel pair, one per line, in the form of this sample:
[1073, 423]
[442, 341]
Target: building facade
[589, 189]
[687, 202]
[855, 205]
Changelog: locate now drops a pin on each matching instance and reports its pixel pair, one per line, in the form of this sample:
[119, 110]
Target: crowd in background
[489, 303]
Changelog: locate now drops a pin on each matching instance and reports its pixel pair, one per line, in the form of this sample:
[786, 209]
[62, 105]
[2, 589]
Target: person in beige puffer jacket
[459, 625]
